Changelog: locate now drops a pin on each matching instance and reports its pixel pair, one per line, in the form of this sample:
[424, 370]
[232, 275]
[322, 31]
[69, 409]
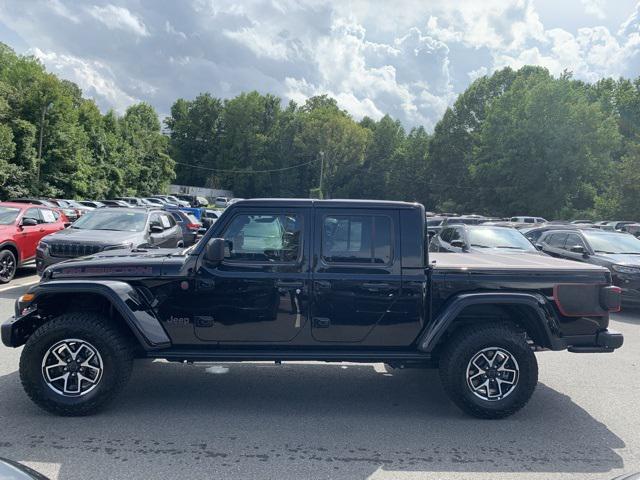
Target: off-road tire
[464, 345]
[110, 339]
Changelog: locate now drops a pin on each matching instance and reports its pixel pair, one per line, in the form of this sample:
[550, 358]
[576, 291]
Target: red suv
[21, 227]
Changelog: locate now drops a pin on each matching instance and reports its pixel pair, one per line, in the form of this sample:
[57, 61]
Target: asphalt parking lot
[290, 421]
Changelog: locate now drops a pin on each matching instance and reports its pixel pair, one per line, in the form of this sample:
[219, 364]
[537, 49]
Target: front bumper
[602, 342]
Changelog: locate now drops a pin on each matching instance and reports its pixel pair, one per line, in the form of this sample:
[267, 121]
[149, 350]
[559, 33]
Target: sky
[408, 59]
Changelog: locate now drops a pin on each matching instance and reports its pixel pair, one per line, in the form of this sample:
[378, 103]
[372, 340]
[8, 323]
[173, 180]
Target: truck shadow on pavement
[298, 421]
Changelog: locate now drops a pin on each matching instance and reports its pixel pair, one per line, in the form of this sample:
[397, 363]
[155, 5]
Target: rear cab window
[361, 239]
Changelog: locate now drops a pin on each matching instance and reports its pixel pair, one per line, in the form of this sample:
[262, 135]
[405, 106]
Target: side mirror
[156, 228]
[28, 222]
[538, 246]
[458, 244]
[214, 251]
[579, 249]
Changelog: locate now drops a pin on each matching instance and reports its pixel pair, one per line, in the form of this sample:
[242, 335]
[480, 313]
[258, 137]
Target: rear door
[356, 272]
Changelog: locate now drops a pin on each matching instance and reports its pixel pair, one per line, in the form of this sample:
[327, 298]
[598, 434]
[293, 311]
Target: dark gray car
[480, 239]
[619, 252]
[107, 229]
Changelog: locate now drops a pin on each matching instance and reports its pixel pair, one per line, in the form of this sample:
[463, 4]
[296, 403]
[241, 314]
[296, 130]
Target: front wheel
[76, 363]
[489, 371]
[8, 265]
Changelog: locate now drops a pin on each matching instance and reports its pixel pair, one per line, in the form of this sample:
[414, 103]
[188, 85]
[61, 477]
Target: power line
[247, 171]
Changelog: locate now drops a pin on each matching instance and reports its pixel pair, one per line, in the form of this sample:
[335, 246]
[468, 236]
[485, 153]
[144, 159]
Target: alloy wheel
[492, 374]
[72, 367]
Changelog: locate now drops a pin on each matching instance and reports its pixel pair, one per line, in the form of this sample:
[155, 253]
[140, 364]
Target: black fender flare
[546, 319]
[123, 297]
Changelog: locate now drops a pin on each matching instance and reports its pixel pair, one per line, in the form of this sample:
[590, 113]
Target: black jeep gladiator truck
[317, 280]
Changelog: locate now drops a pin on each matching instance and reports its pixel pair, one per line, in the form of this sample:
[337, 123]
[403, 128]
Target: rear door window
[364, 239]
[556, 240]
[48, 216]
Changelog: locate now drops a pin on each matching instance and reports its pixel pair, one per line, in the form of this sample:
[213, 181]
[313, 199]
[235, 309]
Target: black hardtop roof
[306, 202]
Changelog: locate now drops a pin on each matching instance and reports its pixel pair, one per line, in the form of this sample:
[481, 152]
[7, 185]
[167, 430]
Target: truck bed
[507, 261]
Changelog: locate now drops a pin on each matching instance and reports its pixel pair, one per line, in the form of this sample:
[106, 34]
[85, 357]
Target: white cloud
[594, 7]
[94, 78]
[169, 28]
[119, 18]
[408, 58]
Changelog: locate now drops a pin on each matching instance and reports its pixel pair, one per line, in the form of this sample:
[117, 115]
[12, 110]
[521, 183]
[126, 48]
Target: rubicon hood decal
[116, 270]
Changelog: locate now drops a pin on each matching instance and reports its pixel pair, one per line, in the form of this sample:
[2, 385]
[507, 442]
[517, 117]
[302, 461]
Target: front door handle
[321, 322]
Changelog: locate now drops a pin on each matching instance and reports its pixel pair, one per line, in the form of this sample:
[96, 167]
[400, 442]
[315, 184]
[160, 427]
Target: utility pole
[42, 118]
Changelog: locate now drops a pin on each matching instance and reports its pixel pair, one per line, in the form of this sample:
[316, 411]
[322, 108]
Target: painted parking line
[26, 282]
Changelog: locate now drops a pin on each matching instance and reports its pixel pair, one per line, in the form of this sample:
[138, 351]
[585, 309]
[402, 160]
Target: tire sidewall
[7, 252]
[462, 394]
[33, 356]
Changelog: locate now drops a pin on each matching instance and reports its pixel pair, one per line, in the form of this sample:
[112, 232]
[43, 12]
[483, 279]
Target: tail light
[193, 226]
[611, 298]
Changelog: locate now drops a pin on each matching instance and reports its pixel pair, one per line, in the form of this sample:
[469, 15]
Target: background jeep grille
[73, 250]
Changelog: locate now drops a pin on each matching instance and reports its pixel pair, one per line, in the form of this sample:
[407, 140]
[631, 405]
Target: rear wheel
[8, 265]
[489, 371]
[76, 363]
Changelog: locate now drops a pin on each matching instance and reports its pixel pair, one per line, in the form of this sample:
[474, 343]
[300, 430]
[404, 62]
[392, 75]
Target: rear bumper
[602, 342]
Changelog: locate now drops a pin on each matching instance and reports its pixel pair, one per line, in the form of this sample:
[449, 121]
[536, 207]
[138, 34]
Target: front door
[259, 292]
[30, 235]
[357, 275]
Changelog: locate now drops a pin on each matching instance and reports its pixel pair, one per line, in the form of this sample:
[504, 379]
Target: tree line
[515, 142]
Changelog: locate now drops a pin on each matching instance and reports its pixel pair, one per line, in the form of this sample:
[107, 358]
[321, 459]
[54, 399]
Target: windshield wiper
[478, 245]
[604, 251]
[509, 246]
[629, 253]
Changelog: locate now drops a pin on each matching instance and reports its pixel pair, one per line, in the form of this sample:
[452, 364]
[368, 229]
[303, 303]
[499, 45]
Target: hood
[102, 237]
[116, 264]
[505, 251]
[621, 259]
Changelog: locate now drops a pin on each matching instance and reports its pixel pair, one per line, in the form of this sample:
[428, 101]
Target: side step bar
[229, 355]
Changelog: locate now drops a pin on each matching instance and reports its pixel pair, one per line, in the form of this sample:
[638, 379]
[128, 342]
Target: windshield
[110, 220]
[613, 242]
[8, 215]
[499, 238]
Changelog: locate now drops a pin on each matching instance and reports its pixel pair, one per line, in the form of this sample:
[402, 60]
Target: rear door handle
[376, 286]
[289, 283]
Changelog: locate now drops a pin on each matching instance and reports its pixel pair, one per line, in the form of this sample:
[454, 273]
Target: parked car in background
[110, 228]
[172, 200]
[114, 203]
[190, 225]
[209, 217]
[619, 252]
[632, 228]
[195, 201]
[221, 202]
[22, 226]
[616, 225]
[91, 203]
[480, 239]
[137, 202]
[526, 219]
[534, 233]
[77, 207]
[155, 201]
[70, 213]
[584, 222]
